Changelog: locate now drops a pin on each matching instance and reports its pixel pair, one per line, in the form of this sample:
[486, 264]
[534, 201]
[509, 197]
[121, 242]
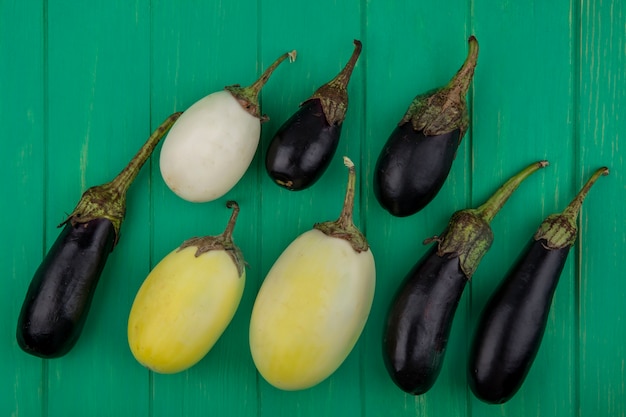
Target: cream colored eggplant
[210, 147]
[314, 302]
[186, 302]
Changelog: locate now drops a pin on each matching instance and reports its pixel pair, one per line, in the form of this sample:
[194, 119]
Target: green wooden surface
[82, 85]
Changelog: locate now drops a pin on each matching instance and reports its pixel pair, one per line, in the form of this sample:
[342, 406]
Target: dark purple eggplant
[59, 296]
[304, 145]
[513, 322]
[420, 316]
[418, 155]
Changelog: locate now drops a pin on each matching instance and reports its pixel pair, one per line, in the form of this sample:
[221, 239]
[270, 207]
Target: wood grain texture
[285, 214]
[83, 87]
[196, 51]
[524, 106]
[420, 50]
[98, 118]
[23, 110]
[601, 251]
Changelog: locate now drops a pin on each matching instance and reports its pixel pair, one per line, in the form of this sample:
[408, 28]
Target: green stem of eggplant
[334, 94]
[248, 97]
[573, 208]
[342, 79]
[230, 227]
[125, 178]
[109, 200]
[223, 241]
[468, 235]
[558, 231]
[493, 205]
[256, 87]
[343, 227]
[345, 219]
[445, 109]
[461, 81]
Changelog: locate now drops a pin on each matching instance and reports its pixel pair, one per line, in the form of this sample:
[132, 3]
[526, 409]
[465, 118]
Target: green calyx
[333, 95]
[220, 242]
[248, 97]
[468, 234]
[343, 227]
[560, 230]
[109, 200]
[445, 110]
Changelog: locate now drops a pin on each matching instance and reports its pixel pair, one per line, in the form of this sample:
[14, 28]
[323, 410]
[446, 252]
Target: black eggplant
[59, 296]
[417, 157]
[512, 324]
[304, 145]
[420, 316]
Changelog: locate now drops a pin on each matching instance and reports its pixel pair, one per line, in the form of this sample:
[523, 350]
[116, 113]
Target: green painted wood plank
[549, 84]
[286, 214]
[602, 245]
[524, 112]
[22, 172]
[99, 117]
[418, 50]
[196, 51]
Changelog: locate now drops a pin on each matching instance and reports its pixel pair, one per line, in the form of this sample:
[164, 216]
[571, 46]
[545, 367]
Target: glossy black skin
[412, 168]
[419, 322]
[60, 294]
[302, 148]
[512, 324]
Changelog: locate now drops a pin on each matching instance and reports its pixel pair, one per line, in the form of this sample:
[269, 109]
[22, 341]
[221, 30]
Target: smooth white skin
[182, 309]
[209, 148]
[311, 310]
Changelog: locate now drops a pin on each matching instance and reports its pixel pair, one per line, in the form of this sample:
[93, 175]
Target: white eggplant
[187, 301]
[210, 147]
[314, 302]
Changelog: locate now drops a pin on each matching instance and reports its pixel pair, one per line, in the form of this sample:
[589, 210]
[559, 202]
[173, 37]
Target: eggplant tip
[288, 184]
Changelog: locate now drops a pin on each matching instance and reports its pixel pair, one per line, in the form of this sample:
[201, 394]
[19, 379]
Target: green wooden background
[82, 85]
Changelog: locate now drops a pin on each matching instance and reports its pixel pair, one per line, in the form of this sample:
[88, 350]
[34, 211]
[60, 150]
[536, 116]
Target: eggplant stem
[445, 109]
[468, 234]
[558, 231]
[333, 95]
[223, 241]
[342, 79]
[493, 205]
[346, 216]
[464, 75]
[248, 97]
[123, 180]
[343, 227]
[228, 232]
[256, 87]
[108, 200]
[573, 208]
